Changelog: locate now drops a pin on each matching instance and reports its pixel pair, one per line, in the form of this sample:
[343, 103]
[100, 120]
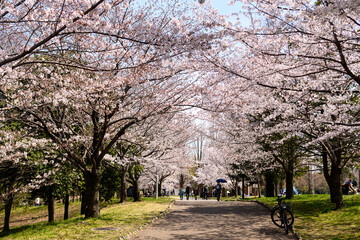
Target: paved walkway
[209, 219]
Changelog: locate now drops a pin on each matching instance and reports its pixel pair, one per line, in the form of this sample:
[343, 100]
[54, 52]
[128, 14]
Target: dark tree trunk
[182, 181]
[289, 184]
[91, 196]
[335, 188]
[160, 188]
[310, 182]
[281, 184]
[333, 179]
[270, 184]
[66, 207]
[51, 205]
[136, 191]
[8, 205]
[123, 195]
[82, 203]
[259, 186]
[236, 187]
[243, 188]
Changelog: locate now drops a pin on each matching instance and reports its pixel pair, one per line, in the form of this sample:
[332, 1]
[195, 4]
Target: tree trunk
[333, 179]
[182, 181]
[160, 193]
[66, 208]
[259, 186]
[136, 191]
[243, 188]
[311, 189]
[8, 205]
[335, 188]
[82, 208]
[123, 195]
[51, 205]
[289, 184]
[270, 185]
[92, 197]
[236, 187]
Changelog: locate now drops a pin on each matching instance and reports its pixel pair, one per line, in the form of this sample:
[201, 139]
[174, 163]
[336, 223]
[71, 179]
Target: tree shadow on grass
[15, 230]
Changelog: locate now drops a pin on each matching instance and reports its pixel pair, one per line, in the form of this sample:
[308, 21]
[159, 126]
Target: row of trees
[292, 88]
[112, 82]
[93, 83]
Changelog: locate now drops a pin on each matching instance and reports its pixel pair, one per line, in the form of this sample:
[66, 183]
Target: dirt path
[208, 219]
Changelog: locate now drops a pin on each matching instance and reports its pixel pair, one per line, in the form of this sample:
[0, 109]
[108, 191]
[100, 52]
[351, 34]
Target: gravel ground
[209, 219]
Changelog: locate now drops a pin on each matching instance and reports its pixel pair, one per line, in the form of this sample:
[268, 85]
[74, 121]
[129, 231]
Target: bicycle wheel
[276, 217]
[286, 222]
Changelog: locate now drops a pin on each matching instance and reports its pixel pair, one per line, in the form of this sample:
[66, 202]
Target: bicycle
[281, 215]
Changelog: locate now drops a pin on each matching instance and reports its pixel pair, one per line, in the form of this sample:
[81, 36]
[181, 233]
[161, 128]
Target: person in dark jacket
[187, 192]
[218, 191]
[196, 192]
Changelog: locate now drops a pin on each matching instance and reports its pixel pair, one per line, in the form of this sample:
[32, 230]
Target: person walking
[187, 192]
[196, 192]
[218, 191]
[181, 193]
[205, 191]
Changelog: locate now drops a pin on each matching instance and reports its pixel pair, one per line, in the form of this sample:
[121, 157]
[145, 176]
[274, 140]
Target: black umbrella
[221, 180]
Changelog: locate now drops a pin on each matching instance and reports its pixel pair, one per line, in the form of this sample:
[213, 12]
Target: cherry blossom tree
[90, 72]
[298, 60]
[18, 166]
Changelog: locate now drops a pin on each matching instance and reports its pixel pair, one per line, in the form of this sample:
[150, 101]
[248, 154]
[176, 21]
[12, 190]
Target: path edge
[161, 214]
[296, 234]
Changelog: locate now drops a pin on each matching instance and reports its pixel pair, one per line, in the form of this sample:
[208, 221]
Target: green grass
[125, 217]
[316, 217]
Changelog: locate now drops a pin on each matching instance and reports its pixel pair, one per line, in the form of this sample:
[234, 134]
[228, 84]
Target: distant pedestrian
[218, 191]
[196, 192]
[37, 202]
[187, 192]
[181, 193]
[205, 191]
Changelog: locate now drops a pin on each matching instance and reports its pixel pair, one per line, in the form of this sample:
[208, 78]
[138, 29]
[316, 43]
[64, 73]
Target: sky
[223, 7]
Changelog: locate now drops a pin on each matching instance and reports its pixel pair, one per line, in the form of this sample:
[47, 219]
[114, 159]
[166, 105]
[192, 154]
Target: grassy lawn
[124, 217]
[316, 218]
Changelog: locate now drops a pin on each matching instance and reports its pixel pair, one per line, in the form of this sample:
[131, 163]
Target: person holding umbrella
[218, 191]
[218, 187]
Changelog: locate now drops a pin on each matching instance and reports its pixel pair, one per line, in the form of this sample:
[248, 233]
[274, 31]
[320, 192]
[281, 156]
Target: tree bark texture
[82, 208]
[269, 185]
[333, 178]
[136, 191]
[236, 187]
[289, 184]
[51, 205]
[66, 206]
[243, 188]
[123, 195]
[8, 205]
[92, 197]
